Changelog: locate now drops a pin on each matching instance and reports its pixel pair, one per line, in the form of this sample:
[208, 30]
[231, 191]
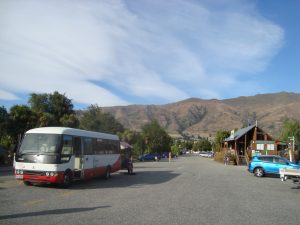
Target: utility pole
[292, 154]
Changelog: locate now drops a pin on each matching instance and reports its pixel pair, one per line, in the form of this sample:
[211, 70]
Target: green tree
[60, 105]
[69, 120]
[290, 128]
[188, 145]
[139, 146]
[45, 119]
[202, 145]
[5, 139]
[39, 103]
[135, 139]
[3, 120]
[221, 135]
[53, 109]
[156, 138]
[175, 150]
[130, 136]
[45, 110]
[96, 120]
[21, 119]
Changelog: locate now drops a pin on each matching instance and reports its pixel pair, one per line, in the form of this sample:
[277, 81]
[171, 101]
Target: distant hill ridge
[203, 118]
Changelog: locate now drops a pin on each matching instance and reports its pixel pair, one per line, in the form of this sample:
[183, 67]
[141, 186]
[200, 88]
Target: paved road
[189, 190]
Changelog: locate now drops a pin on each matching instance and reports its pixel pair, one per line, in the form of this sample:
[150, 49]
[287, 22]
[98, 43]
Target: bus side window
[108, 147]
[88, 146]
[67, 148]
[116, 147]
[100, 148]
[77, 146]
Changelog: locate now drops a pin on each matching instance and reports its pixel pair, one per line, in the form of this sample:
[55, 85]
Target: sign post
[292, 152]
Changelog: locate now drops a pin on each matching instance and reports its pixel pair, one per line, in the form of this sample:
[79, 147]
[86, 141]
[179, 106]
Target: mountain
[203, 118]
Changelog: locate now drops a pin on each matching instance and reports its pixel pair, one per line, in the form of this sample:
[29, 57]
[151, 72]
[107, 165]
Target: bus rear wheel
[107, 173]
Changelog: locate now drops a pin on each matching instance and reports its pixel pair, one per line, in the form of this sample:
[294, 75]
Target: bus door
[78, 153]
[88, 157]
[78, 165]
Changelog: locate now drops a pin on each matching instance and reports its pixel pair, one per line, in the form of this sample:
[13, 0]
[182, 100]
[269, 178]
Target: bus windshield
[40, 144]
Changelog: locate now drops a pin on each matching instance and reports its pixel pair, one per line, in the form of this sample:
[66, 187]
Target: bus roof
[72, 131]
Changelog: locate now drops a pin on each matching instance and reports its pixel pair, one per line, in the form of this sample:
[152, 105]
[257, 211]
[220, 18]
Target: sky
[127, 52]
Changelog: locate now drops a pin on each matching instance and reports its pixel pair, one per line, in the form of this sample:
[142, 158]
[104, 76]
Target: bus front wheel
[27, 183]
[66, 180]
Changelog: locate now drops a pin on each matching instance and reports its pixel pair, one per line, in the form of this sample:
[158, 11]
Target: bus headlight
[50, 173]
[19, 172]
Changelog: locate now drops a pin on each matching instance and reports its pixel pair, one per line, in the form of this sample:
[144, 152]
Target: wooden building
[250, 141]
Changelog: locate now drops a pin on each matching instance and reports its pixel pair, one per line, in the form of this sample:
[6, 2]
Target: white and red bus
[60, 155]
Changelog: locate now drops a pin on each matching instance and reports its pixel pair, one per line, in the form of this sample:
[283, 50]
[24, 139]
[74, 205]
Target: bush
[219, 156]
[232, 158]
[5, 156]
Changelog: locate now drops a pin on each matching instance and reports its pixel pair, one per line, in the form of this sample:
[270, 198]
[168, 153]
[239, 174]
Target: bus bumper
[55, 179]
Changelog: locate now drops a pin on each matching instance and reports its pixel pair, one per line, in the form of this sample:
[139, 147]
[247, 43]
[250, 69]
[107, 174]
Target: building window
[260, 147]
[270, 147]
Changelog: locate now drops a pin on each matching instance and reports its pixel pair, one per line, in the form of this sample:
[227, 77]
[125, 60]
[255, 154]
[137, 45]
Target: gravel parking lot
[189, 190]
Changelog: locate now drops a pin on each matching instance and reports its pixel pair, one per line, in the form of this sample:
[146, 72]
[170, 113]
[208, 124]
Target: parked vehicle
[262, 165]
[290, 173]
[60, 155]
[165, 155]
[207, 154]
[149, 157]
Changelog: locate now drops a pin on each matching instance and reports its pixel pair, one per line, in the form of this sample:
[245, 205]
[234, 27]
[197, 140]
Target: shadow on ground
[50, 212]
[121, 179]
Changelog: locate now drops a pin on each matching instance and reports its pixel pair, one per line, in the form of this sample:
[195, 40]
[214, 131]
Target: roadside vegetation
[57, 110]
[290, 129]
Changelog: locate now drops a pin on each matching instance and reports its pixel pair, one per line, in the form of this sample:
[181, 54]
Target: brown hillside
[204, 117]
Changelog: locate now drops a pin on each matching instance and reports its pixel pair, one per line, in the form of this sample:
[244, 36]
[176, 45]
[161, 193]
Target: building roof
[236, 135]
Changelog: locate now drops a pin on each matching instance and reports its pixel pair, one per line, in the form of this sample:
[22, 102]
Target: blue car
[269, 164]
[165, 155]
[149, 157]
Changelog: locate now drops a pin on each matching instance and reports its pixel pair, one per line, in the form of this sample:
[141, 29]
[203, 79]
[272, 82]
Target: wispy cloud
[101, 51]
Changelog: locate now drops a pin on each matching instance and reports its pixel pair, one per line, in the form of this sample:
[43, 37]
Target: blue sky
[148, 51]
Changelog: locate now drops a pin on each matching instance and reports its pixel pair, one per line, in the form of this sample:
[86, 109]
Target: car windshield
[40, 144]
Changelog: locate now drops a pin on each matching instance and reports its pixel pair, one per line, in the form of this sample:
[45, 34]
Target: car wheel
[259, 172]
